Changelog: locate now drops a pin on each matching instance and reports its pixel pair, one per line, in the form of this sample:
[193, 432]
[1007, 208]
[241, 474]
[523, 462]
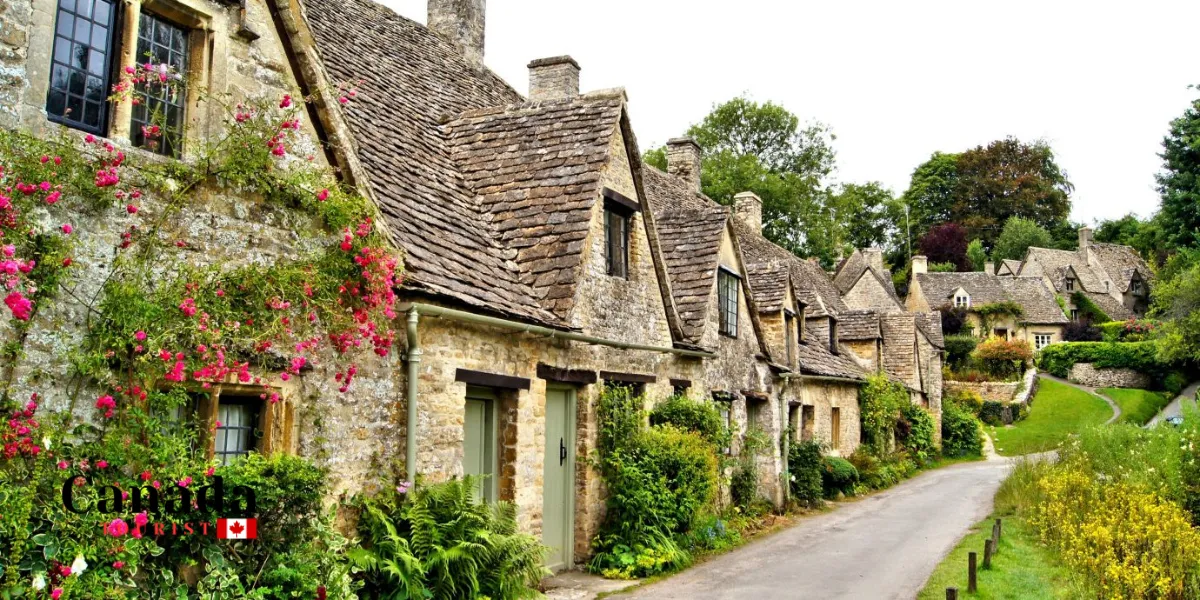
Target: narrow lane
[881, 547]
[1175, 408]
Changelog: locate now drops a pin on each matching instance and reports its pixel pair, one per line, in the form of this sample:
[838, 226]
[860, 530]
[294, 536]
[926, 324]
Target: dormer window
[962, 300]
[727, 301]
[1070, 284]
[1135, 286]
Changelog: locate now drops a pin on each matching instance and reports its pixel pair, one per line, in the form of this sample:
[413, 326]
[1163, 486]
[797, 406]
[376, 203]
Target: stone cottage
[1040, 323]
[1112, 276]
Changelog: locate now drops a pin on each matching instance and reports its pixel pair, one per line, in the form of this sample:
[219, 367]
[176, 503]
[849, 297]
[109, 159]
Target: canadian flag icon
[237, 529]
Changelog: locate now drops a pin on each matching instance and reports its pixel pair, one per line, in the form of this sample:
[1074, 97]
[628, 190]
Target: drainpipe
[414, 368]
[787, 438]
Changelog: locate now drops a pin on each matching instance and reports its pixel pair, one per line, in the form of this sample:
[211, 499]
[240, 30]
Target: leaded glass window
[616, 242]
[237, 430]
[158, 116]
[81, 67]
[727, 300]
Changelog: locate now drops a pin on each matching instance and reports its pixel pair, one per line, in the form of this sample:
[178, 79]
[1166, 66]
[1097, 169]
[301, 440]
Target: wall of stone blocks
[1090, 375]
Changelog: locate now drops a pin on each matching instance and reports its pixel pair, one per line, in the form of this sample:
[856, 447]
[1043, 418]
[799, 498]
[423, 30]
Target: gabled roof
[855, 267]
[1121, 263]
[1037, 302]
[770, 281]
[812, 284]
[1009, 266]
[1111, 306]
[856, 325]
[930, 323]
[814, 358]
[1058, 264]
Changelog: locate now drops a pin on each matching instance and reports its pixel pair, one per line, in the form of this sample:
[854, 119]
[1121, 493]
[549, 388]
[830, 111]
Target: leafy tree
[931, 193]
[1179, 183]
[1176, 300]
[947, 244]
[977, 255]
[860, 213]
[1018, 235]
[1147, 236]
[1009, 178]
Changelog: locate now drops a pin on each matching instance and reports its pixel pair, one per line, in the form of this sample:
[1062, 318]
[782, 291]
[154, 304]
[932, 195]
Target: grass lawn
[1023, 570]
[1137, 406]
[1057, 411]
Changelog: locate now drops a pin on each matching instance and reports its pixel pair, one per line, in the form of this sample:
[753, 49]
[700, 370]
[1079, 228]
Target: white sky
[895, 81]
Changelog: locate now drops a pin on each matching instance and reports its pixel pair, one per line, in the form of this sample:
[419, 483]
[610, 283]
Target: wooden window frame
[1069, 284]
[728, 289]
[276, 420]
[616, 249]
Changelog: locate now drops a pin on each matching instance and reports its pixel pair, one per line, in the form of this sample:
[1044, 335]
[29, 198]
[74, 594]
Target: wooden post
[999, 529]
[996, 537]
[987, 554]
[951, 593]
[971, 585]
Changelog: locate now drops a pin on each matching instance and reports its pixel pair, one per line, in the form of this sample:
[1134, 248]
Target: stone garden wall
[1087, 374]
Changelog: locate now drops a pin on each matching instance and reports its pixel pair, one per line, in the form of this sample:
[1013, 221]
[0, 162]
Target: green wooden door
[558, 511]
[479, 440]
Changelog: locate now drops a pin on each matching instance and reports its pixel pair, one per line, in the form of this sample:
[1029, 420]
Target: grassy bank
[1137, 406]
[1058, 410]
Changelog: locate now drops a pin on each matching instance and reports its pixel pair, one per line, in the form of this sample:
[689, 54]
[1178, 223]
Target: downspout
[787, 438]
[414, 368]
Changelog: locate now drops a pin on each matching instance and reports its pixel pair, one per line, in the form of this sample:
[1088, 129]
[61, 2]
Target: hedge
[1057, 359]
[959, 348]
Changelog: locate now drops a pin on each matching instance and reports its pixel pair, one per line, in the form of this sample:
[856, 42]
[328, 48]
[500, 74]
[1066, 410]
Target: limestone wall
[988, 390]
[1089, 375]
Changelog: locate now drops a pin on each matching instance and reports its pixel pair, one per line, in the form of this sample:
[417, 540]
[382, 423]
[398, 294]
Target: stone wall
[989, 390]
[869, 293]
[1089, 375]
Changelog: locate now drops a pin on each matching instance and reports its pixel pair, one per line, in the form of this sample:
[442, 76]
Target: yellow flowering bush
[1130, 543]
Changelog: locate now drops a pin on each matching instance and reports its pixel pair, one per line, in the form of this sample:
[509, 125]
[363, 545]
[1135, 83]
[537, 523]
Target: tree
[1176, 300]
[930, 194]
[977, 255]
[1009, 178]
[1018, 235]
[763, 148]
[861, 213]
[947, 244]
[1146, 236]
[1179, 183]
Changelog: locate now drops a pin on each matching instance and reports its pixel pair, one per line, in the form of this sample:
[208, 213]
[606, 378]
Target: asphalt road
[882, 547]
[1175, 408]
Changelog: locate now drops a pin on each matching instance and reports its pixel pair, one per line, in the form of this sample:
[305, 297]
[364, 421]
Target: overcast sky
[895, 81]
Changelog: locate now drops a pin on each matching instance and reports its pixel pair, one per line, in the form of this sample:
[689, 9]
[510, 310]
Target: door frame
[491, 445]
[572, 424]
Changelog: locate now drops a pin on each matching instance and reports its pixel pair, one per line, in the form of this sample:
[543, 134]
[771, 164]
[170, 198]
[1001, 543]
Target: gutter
[416, 309]
[803, 377]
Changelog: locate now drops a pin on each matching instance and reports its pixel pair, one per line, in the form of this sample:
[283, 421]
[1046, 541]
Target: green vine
[1089, 310]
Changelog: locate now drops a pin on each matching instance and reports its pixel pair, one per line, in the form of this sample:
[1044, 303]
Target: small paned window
[81, 67]
[788, 322]
[158, 116]
[962, 301]
[1074, 314]
[237, 432]
[1041, 340]
[1070, 284]
[727, 301]
[616, 242]
[1135, 286]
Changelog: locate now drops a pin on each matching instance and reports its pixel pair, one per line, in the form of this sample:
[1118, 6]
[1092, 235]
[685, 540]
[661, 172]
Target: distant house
[864, 282]
[1112, 276]
[1041, 320]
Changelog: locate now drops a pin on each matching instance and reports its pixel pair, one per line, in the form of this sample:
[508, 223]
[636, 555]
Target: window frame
[727, 302]
[835, 428]
[962, 300]
[157, 20]
[112, 44]
[1069, 284]
[1038, 337]
[614, 214]
[256, 431]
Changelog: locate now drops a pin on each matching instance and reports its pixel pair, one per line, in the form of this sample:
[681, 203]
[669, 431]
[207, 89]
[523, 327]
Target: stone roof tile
[859, 325]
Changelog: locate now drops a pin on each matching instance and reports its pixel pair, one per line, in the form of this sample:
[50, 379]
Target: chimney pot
[553, 78]
[748, 207]
[683, 160]
[1085, 238]
[920, 264]
[461, 23]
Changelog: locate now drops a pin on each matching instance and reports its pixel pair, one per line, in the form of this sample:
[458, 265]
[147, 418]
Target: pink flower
[156, 484]
[56, 594]
[62, 465]
[186, 481]
[287, 101]
[131, 209]
[146, 475]
[9, 250]
[20, 306]
[188, 306]
[140, 336]
[210, 471]
[323, 196]
[67, 261]
[284, 376]
[117, 528]
[53, 197]
[118, 565]
[278, 150]
[67, 229]
[141, 519]
[102, 464]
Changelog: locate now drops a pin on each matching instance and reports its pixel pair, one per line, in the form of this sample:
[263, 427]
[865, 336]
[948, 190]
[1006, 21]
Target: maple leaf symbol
[237, 528]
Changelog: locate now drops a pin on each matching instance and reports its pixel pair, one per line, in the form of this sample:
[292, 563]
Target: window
[1135, 286]
[160, 106]
[1074, 314]
[616, 242]
[962, 301]
[237, 431]
[835, 428]
[80, 72]
[1070, 284]
[727, 302]
[788, 323]
[808, 418]
[1000, 332]
[1041, 340]
[753, 414]
[833, 336]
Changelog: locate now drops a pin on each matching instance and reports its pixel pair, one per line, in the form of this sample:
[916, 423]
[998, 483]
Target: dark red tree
[947, 243]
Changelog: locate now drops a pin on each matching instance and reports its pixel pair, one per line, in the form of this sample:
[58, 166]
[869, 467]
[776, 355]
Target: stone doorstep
[578, 585]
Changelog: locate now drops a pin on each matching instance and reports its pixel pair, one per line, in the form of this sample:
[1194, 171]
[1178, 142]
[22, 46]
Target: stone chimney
[748, 207]
[553, 78]
[874, 258]
[461, 23]
[920, 264]
[1085, 238]
[989, 267]
[683, 160]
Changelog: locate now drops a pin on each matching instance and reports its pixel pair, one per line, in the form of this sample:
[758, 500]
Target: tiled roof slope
[859, 325]
[689, 231]
[931, 324]
[769, 282]
[416, 80]
[1111, 306]
[531, 161]
[812, 284]
[1013, 266]
[1055, 263]
[899, 339]
[850, 270]
[1121, 262]
[814, 358]
[1037, 302]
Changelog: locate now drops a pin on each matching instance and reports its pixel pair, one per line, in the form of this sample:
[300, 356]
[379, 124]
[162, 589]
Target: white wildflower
[39, 582]
[79, 565]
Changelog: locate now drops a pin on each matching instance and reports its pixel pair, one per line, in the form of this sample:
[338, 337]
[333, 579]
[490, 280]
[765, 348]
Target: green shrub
[438, 542]
[880, 401]
[876, 473]
[804, 467]
[992, 413]
[918, 438]
[959, 349]
[743, 485]
[1132, 330]
[968, 400]
[1001, 357]
[960, 432]
[1057, 359]
[838, 475]
[1174, 382]
[690, 415]
[713, 534]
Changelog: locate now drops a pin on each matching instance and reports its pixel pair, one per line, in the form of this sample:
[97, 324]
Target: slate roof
[814, 358]
[769, 282]
[853, 267]
[812, 284]
[899, 345]
[1111, 306]
[930, 324]
[1055, 265]
[859, 325]
[1013, 266]
[689, 232]
[1037, 302]
[1121, 262]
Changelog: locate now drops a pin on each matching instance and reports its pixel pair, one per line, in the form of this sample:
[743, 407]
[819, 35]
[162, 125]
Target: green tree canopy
[977, 255]
[1144, 235]
[1018, 235]
[1179, 183]
[930, 194]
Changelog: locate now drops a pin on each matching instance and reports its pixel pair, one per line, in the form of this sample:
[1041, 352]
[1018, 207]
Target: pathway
[881, 547]
[1175, 408]
[1091, 390]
